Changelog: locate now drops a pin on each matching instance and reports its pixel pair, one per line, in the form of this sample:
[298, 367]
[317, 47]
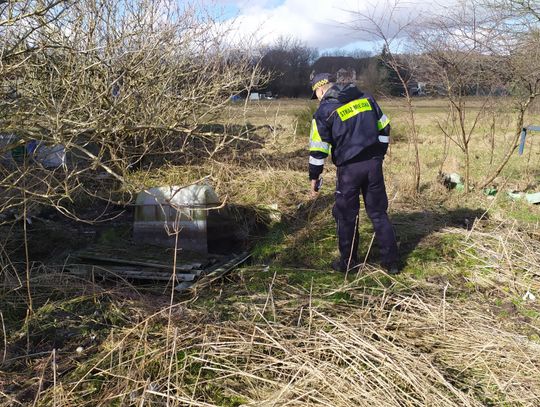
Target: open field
[459, 327]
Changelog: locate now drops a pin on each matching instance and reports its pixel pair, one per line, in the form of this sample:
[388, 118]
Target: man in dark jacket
[350, 126]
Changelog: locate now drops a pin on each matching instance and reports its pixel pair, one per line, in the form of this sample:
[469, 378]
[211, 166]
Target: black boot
[345, 265]
[392, 268]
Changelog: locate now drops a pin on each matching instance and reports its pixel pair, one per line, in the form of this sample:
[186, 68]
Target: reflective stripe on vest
[316, 161]
[383, 122]
[319, 146]
[315, 141]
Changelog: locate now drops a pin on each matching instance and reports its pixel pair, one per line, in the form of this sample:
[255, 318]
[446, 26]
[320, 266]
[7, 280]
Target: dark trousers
[364, 177]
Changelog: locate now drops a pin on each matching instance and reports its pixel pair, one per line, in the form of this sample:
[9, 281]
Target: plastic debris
[161, 211]
[515, 195]
[490, 191]
[52, 156]
[529, 296]
[453, 181]
[524, 137]
[454, 178]
[274, 214]
[533, 198]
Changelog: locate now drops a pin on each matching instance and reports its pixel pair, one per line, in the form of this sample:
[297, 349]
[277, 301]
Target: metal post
[524, 137]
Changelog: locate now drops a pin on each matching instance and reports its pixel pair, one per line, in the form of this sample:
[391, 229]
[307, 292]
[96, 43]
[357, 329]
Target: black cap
[319, 80]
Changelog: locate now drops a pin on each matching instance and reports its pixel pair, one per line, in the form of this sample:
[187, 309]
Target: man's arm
[383, 125]
[319, 149]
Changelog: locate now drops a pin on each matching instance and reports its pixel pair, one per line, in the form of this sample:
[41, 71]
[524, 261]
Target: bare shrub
[383, 23]
[111, 82]
[476, 49]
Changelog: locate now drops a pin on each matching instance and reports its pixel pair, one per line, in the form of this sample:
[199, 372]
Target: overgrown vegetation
[459, 326]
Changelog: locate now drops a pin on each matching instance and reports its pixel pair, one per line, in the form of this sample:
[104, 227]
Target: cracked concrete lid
[193, 195]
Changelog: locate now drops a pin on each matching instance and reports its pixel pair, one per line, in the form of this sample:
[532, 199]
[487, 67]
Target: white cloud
[319, 23]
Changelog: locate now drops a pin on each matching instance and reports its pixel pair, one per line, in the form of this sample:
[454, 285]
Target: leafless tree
[482, 49]
[521, 11]
[88, 88]
[516, 39]
[384, 22]
[289, 61]
[453, 64]
[110, 81]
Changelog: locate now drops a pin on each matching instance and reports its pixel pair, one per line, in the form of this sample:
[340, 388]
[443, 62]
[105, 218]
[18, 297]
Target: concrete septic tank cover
[163, 212]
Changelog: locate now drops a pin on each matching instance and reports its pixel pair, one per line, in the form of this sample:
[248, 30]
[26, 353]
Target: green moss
[340, 297]
[526, 309]
[524, 213]
[425, 254]
[317, 279]
[230, 401]
[446, 258]
[272, 244]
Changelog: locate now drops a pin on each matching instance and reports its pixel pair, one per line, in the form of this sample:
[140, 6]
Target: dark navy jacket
[350, 125]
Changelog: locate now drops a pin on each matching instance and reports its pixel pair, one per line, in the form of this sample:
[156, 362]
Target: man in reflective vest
[350, 126]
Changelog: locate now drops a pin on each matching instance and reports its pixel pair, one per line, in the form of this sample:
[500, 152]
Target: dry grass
[361, 356]
[407, 342]
[452, 330]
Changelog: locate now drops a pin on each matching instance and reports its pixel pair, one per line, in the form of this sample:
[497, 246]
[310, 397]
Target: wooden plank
[219, 270]
[129, 250]
[179, 267]
[183, 286]
[215, 272]
[157, 277]
[128, 272]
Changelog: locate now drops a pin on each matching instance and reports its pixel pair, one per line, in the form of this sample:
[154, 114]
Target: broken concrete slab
[128, 260]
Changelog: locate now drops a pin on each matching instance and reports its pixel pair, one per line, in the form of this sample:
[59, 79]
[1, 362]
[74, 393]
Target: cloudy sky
[324, 24]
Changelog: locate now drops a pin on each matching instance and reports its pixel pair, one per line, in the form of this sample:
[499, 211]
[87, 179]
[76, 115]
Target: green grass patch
[526, 309]
[438, 253]
[524, 212]
[340, 297]
[304, 117]
[272, 244]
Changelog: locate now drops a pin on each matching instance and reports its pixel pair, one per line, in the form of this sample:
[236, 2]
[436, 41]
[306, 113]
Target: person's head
[320, 83]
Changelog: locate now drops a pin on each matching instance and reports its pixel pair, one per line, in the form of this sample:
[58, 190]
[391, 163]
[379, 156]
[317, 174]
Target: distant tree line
[289, 62]
[424, 70]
